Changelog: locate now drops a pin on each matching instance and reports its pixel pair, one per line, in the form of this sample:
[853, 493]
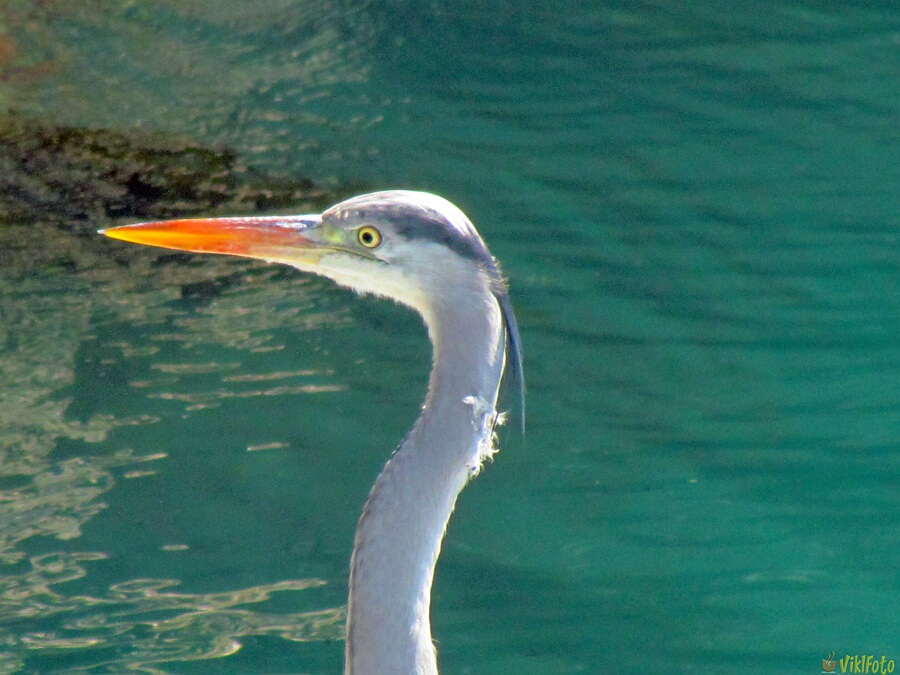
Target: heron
[421, 251]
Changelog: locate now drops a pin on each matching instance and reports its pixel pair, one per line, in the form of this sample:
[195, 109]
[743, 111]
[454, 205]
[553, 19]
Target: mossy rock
[60, 184]
[78, 176]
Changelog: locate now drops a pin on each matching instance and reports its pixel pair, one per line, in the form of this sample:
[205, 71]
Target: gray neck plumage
[399, 535]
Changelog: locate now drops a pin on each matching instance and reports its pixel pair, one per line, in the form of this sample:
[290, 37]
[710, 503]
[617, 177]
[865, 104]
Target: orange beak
[263, 237]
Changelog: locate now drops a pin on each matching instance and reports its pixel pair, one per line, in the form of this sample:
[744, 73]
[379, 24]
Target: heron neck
[399, 535]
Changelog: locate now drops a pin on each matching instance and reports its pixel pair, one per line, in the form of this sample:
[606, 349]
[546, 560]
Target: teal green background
[696, 205]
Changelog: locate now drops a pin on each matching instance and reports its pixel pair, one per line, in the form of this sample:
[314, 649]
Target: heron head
[414, 247]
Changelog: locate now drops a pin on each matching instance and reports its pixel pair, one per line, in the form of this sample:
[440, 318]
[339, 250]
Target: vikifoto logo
[858, 664]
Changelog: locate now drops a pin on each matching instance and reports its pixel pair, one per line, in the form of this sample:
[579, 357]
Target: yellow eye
[369, 237]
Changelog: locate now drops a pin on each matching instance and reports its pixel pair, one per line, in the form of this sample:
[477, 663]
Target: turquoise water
[697, 210]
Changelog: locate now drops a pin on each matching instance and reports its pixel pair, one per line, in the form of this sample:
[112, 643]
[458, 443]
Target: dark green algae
[60, 184]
